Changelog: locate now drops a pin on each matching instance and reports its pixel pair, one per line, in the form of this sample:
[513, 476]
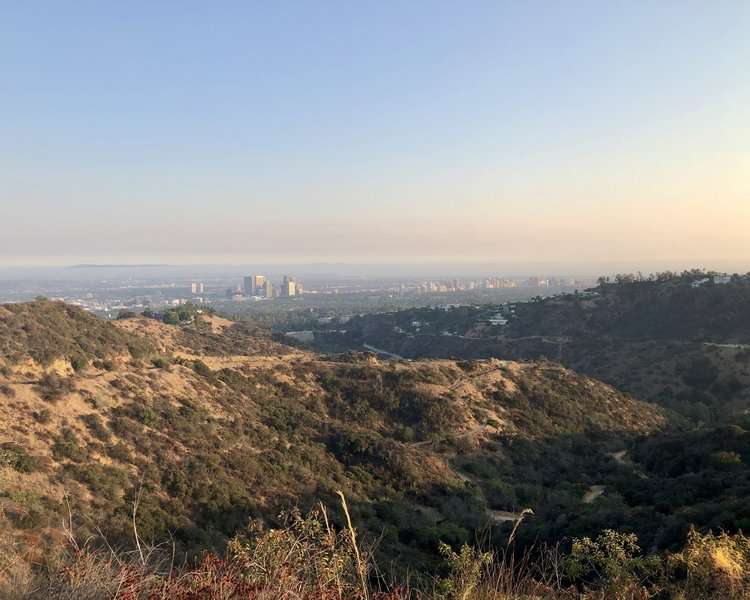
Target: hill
[665, 340]
[213, 424]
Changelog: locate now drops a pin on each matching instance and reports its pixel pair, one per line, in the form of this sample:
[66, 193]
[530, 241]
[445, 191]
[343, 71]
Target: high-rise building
[248, 285]
[259, 282]
[268, 289]
[289, 286]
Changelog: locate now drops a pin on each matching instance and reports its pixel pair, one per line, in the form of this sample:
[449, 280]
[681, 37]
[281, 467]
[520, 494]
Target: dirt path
[460, 382]
[621, 457]
[472, 431]
[592, 494]
[503, 515]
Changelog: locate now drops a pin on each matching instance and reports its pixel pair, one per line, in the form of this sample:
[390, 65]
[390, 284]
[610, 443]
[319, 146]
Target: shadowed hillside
[665, 341]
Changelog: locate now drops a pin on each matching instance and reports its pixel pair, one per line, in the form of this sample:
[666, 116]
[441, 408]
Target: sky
[242, 132]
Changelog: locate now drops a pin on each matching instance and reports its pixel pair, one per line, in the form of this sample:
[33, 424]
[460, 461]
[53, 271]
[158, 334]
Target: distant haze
[551, 137]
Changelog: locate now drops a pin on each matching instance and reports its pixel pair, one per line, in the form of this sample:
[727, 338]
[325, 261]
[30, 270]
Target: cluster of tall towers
[259, 285]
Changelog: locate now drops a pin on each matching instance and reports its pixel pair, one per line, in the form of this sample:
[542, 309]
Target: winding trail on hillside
[463, 434]
[460, 382]
[621, 458]
[478, 428]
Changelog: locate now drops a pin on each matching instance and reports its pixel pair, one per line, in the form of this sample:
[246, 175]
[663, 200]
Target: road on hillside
[384, 352]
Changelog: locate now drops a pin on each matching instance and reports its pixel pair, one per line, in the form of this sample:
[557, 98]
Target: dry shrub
[712, 566]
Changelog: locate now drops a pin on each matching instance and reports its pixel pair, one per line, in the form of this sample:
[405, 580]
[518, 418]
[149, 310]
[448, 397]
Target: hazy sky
[382, 131]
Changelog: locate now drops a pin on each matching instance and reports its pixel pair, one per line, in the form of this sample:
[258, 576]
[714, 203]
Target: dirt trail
[503, 515]
[472, 431]
[460, 382]
[621, 457]
[592, 494]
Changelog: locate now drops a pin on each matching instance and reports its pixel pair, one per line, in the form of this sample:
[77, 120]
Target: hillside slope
[214, 425]
[683, 347]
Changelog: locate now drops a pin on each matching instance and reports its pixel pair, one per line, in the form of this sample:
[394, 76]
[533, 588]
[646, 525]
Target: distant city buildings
[254, 285]
[491, 283]
[136, 295]
[258, 287]
[290, 287]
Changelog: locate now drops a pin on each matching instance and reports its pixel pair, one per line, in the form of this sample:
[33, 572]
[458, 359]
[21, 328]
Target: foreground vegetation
[307, 558]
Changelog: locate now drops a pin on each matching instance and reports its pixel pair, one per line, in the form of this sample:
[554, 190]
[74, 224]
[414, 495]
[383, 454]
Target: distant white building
[497, 319]
[717, 280]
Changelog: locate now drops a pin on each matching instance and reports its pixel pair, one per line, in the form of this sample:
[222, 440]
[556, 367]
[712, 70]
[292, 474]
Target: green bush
[614, 562]
[12, 455]
[66, 446]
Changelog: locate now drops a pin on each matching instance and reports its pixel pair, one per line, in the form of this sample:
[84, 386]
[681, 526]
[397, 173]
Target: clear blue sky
[242, 132]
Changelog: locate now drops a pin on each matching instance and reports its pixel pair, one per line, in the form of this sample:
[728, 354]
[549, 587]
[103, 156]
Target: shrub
[119, 452]
[43, 416]
[202, 368]
[711, 566]
[52, 387]
[97, 428]
[465, 570]
[162, 362]
[66, 446]
[612, 561]
[79, 363]
[12, 455]
[104, 365]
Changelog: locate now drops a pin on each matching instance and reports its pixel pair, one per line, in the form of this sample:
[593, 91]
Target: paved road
[727, 345]
[384, 352]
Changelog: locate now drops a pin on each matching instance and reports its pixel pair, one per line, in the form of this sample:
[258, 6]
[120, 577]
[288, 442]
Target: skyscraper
[289, 286]
[259, 282]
